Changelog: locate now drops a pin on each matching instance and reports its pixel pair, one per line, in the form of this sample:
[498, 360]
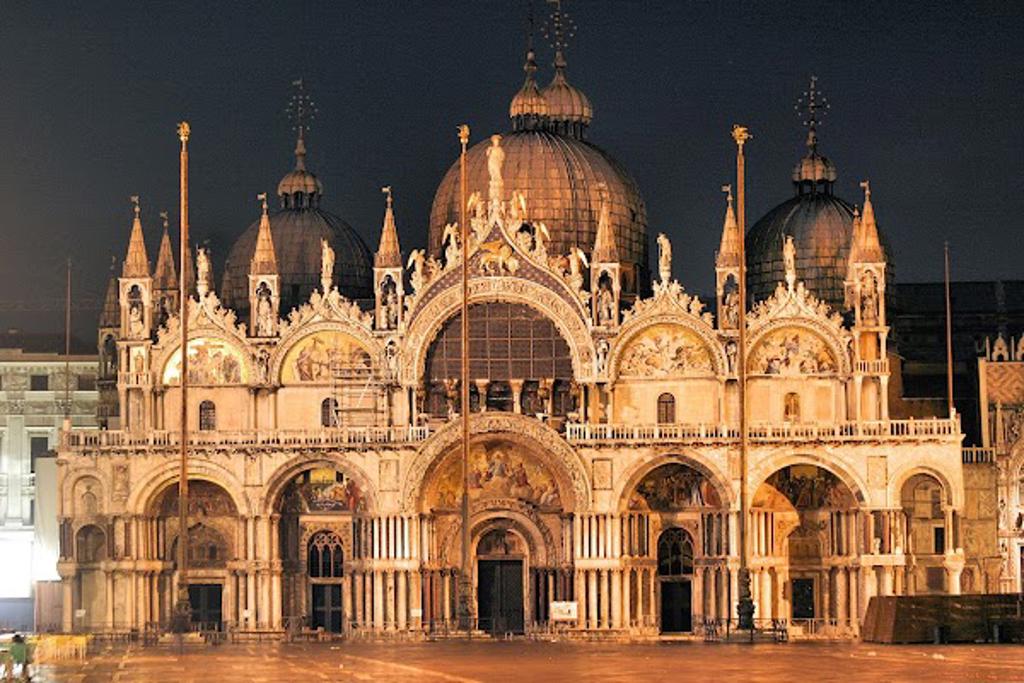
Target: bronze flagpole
[465, 574]
[183, 608]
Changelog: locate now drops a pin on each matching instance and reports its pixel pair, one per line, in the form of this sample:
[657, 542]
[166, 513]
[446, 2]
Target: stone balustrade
[875, 430]
[80, 439]
[977, 455]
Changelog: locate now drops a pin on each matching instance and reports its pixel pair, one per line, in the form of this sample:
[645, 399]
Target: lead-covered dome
[297, 228]
[821, 225]
[562, 176]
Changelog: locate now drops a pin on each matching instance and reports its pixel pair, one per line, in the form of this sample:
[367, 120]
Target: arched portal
[675, 540]
[320, 541]
[90, 581]
[803, 530]
[520, 526]
[213, 526]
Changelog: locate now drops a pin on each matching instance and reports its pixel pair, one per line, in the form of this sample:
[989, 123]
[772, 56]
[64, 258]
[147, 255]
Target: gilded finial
[387, 192]
[184, 131]
[866, 186]
[135, 203]
[740, 134]
[262, 199]
[164, 217]
[464, 134]
[727, 189]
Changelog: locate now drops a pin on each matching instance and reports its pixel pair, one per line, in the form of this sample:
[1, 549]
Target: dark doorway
[803, 598]
[205, 600]
[327, 611]
[500, 596]
[676, 616]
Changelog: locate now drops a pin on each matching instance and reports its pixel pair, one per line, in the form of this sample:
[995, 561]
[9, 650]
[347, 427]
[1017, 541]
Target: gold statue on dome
[789, 261]
[326, 265]
[495, 161]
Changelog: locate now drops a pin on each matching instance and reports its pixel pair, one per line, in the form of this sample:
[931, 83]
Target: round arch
[300, 463]
[635, 327]
[145, 494]
[768, 466]
[951, 495]
[641, 469]
[541, 441]
[290, 341]
[837, 347]
[163, 358]
[568, 319]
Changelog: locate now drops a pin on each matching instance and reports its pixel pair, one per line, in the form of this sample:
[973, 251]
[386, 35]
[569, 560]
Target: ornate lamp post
[745, 605]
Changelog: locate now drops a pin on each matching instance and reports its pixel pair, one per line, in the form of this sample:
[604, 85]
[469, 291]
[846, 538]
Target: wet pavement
[521, 661]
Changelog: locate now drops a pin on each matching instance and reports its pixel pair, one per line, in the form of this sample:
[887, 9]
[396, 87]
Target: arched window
[325, 557]
[666, 409]
[329, 413]
[90, 544]
[675, 553]
[791, 407]
[207, 416]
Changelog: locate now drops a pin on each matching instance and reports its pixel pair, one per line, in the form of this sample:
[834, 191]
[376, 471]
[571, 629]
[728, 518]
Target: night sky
[926, 101]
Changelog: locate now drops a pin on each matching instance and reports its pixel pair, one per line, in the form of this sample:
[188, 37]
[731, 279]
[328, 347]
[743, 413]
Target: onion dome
[299, 187]
[296, 231]
[528, 109]
[569, 109]
[820, 223]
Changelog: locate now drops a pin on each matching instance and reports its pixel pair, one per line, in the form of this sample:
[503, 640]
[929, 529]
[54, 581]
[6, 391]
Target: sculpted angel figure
[326, 264]
[416, 264]
[450, 240]
[664, 257]
[577, 261]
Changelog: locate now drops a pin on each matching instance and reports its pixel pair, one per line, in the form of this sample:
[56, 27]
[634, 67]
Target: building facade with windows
[604, 469]
[37, 382]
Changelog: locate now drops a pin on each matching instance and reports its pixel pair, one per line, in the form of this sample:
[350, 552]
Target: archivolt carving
[818, 349]
[207, 319]
[666, 345]
[567, 317]
[332, 307]
[525, 430]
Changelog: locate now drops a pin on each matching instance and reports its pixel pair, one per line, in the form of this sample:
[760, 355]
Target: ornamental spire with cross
[301, 110]
[812, 107]
[559, 29]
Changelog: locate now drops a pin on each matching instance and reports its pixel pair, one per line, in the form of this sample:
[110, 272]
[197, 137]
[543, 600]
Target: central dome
[297, 228]
[561, 174]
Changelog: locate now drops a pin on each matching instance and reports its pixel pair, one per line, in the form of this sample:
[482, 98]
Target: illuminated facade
[604, 464]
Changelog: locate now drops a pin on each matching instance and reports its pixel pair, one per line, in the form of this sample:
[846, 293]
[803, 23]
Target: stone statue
[263, 366]
[605, 306]
[326, 265]
[664, 257]
[264, 311]
[732, 309]
[202, 271]
[868, 299]
[731, 350]
[577, 261]
[136, 326]
[391, 309]
[495, 160]
[450, 240]
[789, 260]
[601, 359]
[416, 263]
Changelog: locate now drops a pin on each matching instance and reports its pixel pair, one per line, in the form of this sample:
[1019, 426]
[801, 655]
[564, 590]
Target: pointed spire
[264, 260]
[389, 254]
[165, 276]
[111, 315]
[136, 262]
[605, 249]
[866, 246]
[729, 247]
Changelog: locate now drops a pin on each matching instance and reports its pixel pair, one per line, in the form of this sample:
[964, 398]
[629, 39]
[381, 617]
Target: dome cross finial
[559, 29]
[812, 106]
[301, 110]
[135, 203]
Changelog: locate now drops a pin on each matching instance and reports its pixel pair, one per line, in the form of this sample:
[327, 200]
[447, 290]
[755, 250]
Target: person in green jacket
[19, 657]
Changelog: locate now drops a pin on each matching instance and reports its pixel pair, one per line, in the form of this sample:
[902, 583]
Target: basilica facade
[604, 475]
